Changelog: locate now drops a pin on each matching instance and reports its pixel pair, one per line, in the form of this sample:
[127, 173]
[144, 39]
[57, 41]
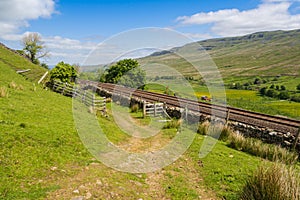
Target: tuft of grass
[15, 86]
[3, 92]
[174, 123]
[275, 182]
[135, 108]
[258, 148]
[217, 131]
[203, 128]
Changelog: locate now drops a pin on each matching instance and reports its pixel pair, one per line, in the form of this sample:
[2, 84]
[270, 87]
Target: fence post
[296, 139]
[186, 112]
[93, 101]
[154, 109]
[227, 117]
[144, 109]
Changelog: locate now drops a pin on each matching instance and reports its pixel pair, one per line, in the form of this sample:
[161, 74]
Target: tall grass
[276, 182]
[258, 148]
[3, 92]
[217, 131]
[135, 108]
[174, 123]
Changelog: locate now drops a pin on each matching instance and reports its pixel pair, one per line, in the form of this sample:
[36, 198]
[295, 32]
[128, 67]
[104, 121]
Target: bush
[276, 182]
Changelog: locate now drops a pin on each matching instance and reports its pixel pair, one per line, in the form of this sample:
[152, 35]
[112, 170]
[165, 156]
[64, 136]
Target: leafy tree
[284, 95]
[282, 87]
[263, 91]
[298, 87]
[125, 72]
[63, 72]
[257, 81]
[272, 93]
[34, 47]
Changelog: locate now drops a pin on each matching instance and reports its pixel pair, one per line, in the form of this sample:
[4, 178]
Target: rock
[99, 182]
[76, 191]
[88, 195]
[53, 168]
[272, 133]
[287, 143]
[78, 198]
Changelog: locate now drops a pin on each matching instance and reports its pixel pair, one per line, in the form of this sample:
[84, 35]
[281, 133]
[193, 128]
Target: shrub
[3, 92]
[135, 108]
[276, 182]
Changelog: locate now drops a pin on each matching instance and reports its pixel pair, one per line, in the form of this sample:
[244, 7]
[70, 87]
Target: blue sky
[72, 28]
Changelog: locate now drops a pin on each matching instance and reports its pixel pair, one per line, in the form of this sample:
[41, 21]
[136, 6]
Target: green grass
[37, 133]
[246, 99]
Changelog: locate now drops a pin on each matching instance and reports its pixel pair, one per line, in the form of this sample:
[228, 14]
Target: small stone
[272, 133]
[230, 156]
[78, 198]
[53, 168]
[88, 195]
[99, 182]
[76, 191]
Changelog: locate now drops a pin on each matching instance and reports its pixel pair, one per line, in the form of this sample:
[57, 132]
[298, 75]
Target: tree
[282, 87]
[63, 72]
[125, 72]
[298, 87]
[272, 93]
[284, 95]
[263, 91]
[34, 47]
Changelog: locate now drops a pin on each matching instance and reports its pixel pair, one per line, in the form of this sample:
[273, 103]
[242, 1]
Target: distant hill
[263, 53]
[11, 58]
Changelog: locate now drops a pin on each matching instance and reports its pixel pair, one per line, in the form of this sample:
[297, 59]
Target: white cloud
[15, 14]
[198, 36]
[232, 22]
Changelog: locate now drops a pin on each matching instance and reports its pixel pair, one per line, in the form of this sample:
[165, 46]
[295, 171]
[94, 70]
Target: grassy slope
[36, 134]
[263, 54]
[17, 62]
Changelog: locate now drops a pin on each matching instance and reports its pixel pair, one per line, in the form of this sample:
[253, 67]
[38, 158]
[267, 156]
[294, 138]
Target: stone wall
[265, 134]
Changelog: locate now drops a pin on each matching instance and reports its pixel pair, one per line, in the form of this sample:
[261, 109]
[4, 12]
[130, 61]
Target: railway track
[277, 123]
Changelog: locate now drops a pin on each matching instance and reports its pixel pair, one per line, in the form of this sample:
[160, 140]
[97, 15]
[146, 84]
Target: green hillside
[36, 132]
[264, 54]
[17, 62]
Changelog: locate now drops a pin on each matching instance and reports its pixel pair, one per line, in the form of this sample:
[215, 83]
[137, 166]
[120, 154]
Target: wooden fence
[85, 96]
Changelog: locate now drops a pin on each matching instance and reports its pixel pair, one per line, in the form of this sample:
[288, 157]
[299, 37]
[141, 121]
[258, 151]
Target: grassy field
[246, 99]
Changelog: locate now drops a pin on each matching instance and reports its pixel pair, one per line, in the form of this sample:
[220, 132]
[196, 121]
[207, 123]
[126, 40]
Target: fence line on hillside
[85, 96]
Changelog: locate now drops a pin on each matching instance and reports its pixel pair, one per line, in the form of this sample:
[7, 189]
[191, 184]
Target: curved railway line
[277, 123]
